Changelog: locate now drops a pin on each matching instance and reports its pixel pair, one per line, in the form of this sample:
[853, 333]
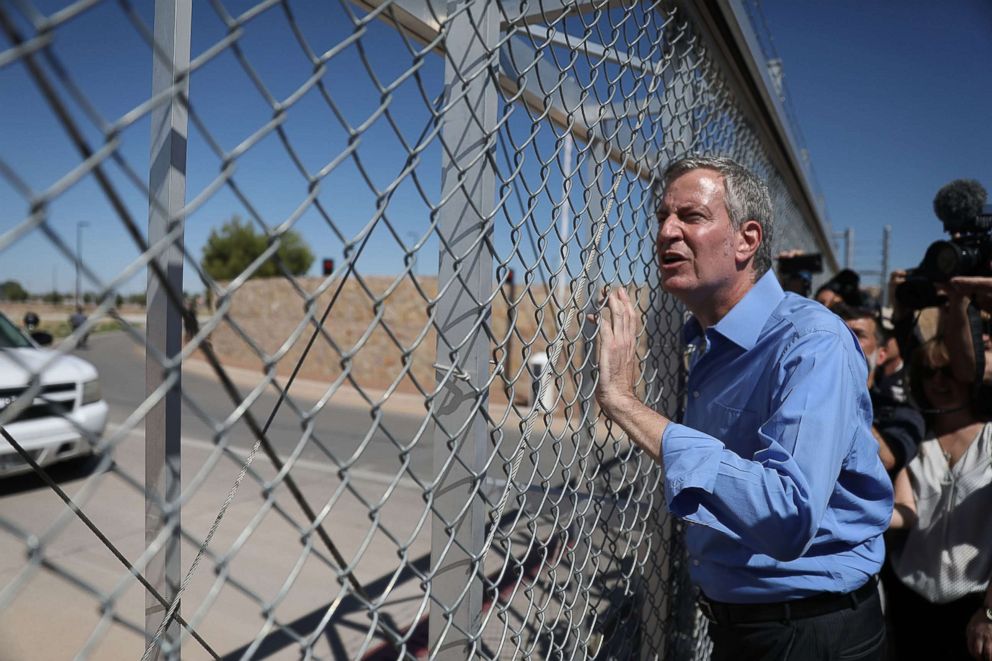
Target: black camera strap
[978, 387]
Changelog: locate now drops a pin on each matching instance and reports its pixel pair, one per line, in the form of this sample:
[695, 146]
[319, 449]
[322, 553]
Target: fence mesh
[471, 174]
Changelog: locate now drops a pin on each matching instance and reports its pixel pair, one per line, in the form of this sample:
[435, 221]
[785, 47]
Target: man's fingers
[617, 314]
[606, 324]
[631, 312]
[603, 298]
[628, 316]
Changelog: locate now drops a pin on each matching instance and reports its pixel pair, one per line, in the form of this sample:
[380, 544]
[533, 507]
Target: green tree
[11, 290]
[230, 250]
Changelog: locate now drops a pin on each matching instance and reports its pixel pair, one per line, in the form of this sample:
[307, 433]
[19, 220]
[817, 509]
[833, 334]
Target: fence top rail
[729, 36]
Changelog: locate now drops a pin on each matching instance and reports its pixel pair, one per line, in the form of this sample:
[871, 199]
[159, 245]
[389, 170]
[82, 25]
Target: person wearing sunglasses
[943, 500]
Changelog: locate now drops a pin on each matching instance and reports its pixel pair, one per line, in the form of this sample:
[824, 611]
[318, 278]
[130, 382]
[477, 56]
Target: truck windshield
[10, 336]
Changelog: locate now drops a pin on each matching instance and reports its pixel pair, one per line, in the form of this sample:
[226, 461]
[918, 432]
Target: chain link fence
[400, 458]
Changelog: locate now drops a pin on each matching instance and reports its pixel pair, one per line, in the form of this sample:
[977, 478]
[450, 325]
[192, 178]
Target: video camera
[961, 206]
[805, 263]
[796, 271]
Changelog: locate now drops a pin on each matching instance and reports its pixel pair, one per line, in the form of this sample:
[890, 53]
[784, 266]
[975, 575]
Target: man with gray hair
[775, 465]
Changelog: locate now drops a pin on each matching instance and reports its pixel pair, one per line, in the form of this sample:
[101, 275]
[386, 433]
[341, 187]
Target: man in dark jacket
[897, 424]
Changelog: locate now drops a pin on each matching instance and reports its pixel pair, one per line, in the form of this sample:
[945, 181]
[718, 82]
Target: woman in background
[942, 605]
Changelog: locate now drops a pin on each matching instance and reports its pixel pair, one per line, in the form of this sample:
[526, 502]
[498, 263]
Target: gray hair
[746, 197]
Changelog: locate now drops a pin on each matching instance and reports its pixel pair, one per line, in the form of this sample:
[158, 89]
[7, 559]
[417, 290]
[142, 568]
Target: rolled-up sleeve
[773, 501]
[902, 427]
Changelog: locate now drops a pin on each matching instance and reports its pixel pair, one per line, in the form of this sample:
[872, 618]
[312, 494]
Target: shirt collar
[743, 324]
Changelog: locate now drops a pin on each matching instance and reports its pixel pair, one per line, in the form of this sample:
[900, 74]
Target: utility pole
[884, 285]
[849, 248]
[848, 237]
[80, 224]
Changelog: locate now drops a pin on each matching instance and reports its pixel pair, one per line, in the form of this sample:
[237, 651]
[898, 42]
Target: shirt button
[695, 563]
[695, 394]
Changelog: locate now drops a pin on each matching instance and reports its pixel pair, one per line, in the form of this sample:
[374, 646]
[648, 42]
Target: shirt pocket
[736, 427]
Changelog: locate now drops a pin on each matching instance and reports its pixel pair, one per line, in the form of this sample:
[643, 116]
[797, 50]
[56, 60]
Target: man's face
[696, 242]
[828, 297]
[865, 330]
[892, 350]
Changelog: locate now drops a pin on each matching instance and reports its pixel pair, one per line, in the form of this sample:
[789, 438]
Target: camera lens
[917, 292]
[943, 261]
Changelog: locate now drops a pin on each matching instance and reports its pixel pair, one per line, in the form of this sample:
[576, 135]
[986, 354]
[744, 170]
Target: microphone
[959, 203]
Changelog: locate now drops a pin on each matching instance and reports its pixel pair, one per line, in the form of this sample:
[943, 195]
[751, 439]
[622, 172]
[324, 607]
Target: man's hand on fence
[616, 350]
[617, 354]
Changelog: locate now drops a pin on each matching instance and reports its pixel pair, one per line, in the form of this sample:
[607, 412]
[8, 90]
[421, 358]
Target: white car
[64, 419]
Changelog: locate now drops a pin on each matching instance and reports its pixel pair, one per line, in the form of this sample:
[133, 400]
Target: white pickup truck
[65, 417]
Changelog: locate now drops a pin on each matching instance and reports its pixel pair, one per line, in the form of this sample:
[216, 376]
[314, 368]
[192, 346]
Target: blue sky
[892, 99]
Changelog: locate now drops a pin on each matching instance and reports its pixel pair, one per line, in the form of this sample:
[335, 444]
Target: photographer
[844, 287]
[896, 423]
[959, 330]
[796, 269]
[955, 275]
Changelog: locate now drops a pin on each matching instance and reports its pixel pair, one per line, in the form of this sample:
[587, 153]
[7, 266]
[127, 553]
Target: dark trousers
[855, 633]
[924, 630]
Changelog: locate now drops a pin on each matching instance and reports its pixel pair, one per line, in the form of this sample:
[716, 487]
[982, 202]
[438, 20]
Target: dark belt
[797, 609]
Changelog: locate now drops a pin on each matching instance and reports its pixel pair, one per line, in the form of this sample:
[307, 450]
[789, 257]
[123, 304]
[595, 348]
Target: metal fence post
[167, 187]
[674, 615]
[660, 613]
[461, 441]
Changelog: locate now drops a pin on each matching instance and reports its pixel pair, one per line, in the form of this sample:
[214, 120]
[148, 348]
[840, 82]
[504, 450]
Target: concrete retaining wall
[375, 331]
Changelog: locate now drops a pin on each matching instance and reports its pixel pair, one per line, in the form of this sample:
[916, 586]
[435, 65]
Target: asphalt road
[50, 618]
[267, 562]
[344, 432]
[337, 429]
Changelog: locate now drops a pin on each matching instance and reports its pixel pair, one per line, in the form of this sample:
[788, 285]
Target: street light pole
[80, 224]
[884, 284]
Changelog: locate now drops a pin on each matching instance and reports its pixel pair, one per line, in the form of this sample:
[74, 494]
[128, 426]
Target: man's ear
[882, 354]
[748, 239]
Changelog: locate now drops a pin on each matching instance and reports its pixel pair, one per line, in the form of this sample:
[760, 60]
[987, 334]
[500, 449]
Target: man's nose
[669, 229]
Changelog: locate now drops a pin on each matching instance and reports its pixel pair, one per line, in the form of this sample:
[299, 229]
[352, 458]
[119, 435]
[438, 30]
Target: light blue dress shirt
[775, 468]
